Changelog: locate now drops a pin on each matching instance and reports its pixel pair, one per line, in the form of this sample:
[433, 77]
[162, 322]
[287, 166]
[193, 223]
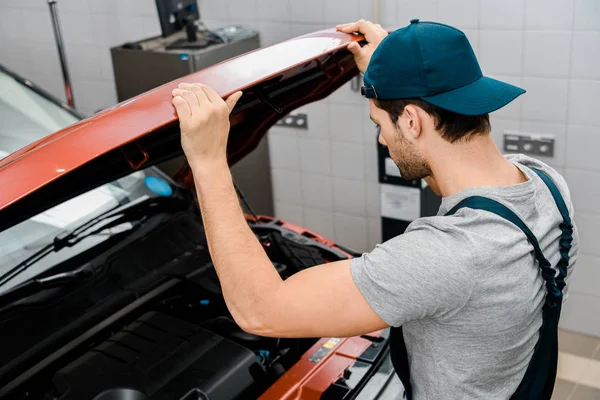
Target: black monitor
[175, 15]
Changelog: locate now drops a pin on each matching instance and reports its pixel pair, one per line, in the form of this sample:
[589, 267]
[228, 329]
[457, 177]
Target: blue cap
[436, 63]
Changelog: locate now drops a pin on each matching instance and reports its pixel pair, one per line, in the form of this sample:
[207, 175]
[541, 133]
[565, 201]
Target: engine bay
[152, 322]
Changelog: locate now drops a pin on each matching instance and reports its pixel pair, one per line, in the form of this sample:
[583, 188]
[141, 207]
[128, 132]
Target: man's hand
[204, 122]
[373, 33]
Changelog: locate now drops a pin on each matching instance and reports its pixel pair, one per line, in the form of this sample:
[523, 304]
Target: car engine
[170, 335]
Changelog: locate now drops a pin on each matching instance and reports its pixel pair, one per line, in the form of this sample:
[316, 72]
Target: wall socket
[538, 145]
[294, 120]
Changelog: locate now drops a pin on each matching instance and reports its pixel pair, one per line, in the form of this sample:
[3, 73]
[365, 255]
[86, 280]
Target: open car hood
[144, 131]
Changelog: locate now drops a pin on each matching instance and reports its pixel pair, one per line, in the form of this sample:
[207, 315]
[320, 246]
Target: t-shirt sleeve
[425, 272]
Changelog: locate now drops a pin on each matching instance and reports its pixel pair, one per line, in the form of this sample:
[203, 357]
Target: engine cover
[164, 358]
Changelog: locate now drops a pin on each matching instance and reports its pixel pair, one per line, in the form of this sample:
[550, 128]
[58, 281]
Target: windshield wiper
[34, 285]
[135, 214]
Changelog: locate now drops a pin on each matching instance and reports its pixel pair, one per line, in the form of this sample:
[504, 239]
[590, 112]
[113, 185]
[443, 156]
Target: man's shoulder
[531, 162]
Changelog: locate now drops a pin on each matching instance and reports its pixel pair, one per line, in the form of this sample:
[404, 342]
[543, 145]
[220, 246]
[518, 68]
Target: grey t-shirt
[467, 289]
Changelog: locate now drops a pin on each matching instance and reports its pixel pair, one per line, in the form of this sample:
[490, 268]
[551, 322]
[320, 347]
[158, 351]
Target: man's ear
[412, 122]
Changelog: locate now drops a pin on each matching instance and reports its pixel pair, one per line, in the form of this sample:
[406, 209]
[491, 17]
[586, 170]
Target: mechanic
[473, 295]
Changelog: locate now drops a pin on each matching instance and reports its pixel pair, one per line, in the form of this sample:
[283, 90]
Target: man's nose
[381, 140]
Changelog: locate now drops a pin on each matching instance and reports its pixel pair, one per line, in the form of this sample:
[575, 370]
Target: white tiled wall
[89, 27]
[326, 177]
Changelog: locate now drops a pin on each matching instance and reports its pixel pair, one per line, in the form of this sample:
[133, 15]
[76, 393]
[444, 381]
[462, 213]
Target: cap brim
[480, 97]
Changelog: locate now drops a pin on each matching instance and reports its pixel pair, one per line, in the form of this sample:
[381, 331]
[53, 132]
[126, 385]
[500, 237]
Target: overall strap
[566, 228]
[486, 204]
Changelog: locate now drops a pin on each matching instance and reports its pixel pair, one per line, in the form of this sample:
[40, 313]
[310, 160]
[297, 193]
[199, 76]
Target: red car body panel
[54, 157]
[48, 159]
[308, 380]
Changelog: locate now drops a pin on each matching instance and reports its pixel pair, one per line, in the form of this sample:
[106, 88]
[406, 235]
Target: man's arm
[319, 301]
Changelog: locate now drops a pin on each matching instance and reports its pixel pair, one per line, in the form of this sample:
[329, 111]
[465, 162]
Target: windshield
[26, 117]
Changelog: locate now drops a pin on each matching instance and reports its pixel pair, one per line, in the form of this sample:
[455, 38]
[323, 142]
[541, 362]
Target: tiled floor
[578, 376]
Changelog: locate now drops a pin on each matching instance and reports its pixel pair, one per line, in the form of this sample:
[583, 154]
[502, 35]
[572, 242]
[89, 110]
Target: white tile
[317, 191]
[317, 119]
[366, 9]
[341, 11]
[104, 94]
[579, 313]
[585, 62]
[103, 6]
[586, 276]
[351, 231]
[513, 109]
[346, 95]
[584, 102]
[131, 28]
[12, 24]
[589, 236]
[373, 204]
[274, 10]
[549, 14]
[38, 26]
[582, 150]
[105, 30]
[147, 8]
[274, 32]
[585, 191]
[500, 125]
[387, 12]
[371, 166]
[129, 7]
[460, 14]
[505, 14]
[299, 29]
[547, 53]
[93, 95]
[76, 28]
[308, 11]
[315, 155]
[211, 9]
[501, 52]
[373, 232]
[242, 10]
[320, 222]
[406, 10]
[30, 4]
[151, 27]
[283, 152]
[346, 122]
[289, 212]
[73, 5]
[586, 14]
[347, 160]
[49, 54]
[349, 197]
[558, 131]
[545, 100]
[84, 61]
[286, 186]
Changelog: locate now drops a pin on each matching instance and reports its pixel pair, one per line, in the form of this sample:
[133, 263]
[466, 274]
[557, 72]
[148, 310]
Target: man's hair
[450, 125]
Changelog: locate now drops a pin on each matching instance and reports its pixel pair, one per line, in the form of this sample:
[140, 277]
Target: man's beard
[407, 159]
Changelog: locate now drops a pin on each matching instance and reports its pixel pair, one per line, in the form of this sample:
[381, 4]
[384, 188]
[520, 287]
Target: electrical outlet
[538, 145]
[294, 120]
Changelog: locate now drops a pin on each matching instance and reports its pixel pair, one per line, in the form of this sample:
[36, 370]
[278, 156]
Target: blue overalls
[540, 375]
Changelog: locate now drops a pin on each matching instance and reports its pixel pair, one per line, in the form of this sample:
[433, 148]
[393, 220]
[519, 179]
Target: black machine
[176, 15]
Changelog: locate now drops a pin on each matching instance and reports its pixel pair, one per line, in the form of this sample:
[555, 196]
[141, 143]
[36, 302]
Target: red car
[107, 290]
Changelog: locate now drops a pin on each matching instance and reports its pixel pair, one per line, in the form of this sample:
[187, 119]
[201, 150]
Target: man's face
[400, 144]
